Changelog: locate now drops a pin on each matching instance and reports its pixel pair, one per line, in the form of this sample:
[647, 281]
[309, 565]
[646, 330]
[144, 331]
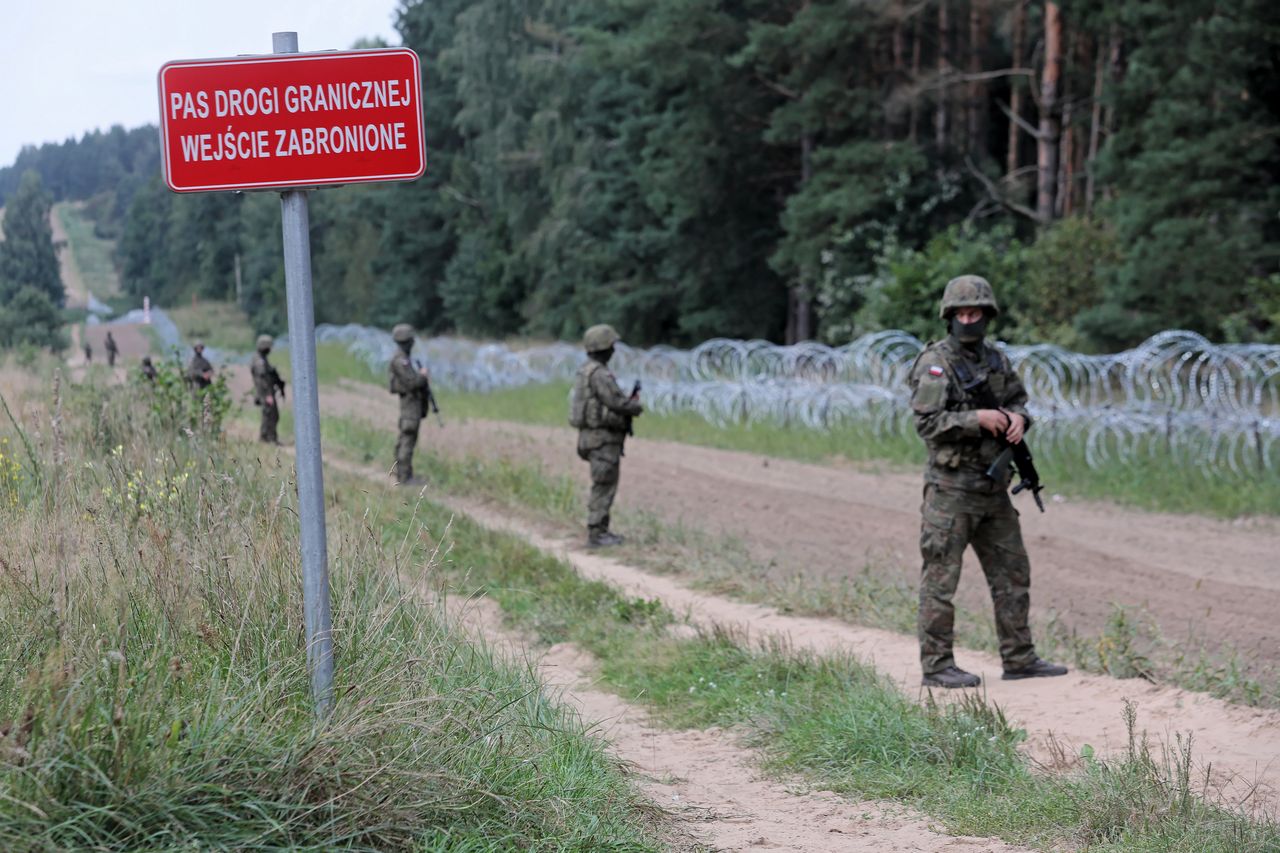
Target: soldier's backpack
[580, 397]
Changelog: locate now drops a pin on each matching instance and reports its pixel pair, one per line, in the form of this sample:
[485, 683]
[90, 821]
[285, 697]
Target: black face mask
[603, 355]
[969, 333]
[406, 346]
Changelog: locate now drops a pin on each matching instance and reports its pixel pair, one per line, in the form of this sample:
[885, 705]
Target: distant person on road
[411, 384]
[88, 352]
[148, 369]
[962, 505]
[112, 350]
[266, 384]
[199, 370]
[602, 414]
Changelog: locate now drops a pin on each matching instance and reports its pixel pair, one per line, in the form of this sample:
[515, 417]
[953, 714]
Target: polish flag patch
[935, 370]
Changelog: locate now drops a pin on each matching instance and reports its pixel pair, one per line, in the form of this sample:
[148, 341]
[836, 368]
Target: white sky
[70, 66]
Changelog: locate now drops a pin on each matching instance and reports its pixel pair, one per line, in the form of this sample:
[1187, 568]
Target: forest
[780, 169]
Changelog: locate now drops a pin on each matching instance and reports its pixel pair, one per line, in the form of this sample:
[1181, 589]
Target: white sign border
[293, 57]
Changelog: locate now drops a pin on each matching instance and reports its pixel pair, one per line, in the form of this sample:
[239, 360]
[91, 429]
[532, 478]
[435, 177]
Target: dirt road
[708, 782]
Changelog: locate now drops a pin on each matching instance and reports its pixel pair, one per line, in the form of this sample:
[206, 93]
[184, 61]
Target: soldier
[88, 352]
[962, 506]
[412, 384]
[148, 369]
[602, 415]
[112, 350]
[266, 382]
[199, 370]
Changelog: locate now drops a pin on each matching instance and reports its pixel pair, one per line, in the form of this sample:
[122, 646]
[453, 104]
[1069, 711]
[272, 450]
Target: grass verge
[153, 694]
[834, 720]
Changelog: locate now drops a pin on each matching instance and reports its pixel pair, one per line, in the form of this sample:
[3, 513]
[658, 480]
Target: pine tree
[27, 255]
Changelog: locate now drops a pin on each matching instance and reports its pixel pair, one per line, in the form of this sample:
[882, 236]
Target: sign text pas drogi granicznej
[291, 120]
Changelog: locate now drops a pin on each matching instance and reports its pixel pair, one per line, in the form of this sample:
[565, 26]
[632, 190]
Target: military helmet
[599, 338]
[968, 291]
[198, 345]
[402, 333]
[265, 342]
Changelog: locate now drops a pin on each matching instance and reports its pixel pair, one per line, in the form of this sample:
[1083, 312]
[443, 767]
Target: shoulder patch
[935, 370]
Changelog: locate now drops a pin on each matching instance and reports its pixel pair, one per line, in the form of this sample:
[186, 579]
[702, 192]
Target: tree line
[784, 169]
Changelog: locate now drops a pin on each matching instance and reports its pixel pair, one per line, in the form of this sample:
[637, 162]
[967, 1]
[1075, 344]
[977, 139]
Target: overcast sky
[69, 66]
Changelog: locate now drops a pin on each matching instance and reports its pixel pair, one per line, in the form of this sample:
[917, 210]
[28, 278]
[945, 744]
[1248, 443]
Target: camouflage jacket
[266, 379]
[196, 370]
[946, 417]
[599, 409]
[411, 385]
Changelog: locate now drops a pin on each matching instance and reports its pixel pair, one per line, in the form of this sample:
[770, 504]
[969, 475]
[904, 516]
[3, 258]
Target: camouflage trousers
[951, 521]
[606, 465]
[404, 448]
[270, 418]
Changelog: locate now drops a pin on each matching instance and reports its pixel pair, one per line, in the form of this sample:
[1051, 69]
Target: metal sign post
[296, 228]
[291, 122]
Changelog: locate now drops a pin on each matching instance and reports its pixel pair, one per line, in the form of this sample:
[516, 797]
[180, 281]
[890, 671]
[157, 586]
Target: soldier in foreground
[199, 370]
[266, 384]
[602, 414]
[112, 349]
[413, 385]
[966, 501]
[148, 369]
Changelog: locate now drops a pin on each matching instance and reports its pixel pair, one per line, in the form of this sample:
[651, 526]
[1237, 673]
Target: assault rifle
[1019, 455]
[635, 392]
[428, 398]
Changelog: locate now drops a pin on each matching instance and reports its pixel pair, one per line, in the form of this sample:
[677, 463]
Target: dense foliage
[776, 168]
[31, 293]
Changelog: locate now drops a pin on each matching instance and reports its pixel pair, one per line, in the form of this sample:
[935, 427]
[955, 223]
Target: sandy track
[707, 782]
[68, 269]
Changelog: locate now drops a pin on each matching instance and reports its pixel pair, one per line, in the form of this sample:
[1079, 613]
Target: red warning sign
[291, 120]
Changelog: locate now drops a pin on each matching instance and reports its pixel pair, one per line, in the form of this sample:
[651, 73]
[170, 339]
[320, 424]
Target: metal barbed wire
[1215, 407]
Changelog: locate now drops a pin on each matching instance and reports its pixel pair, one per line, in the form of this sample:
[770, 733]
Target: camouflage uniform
[112, 350]
[602, 413]
[411, 385]
[197, 369]
[266, 383]
[962, 506]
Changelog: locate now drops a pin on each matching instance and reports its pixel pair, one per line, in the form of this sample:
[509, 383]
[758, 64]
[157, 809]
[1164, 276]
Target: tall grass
[154, 694]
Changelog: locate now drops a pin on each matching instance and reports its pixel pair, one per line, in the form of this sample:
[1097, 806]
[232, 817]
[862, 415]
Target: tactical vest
[586, 410]
[961, 464]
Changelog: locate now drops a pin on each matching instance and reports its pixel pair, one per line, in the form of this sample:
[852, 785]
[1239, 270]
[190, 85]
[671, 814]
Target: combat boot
[952, 676]
[1036, 669]
[600, 537]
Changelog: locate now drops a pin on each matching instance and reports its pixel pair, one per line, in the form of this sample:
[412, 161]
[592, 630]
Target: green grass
[222, 325]
[835, 721]
[154, 693]
[93, 255]
[1153, 482]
